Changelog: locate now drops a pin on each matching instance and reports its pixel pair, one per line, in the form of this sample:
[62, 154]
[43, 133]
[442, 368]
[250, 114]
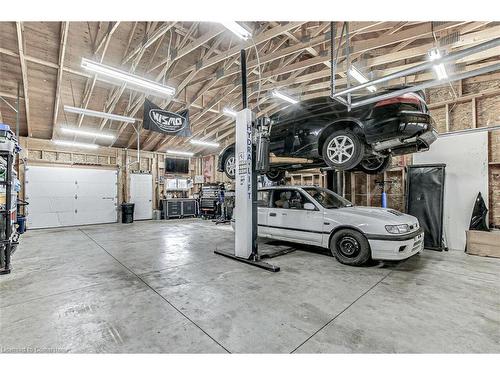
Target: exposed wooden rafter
[201, 60]
[24, 73]
[60, 71]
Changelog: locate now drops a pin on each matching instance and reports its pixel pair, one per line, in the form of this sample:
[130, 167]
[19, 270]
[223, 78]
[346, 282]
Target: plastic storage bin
[7, 138]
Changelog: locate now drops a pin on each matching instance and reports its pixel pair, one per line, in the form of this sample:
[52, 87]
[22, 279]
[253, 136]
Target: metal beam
[424, 66]
[426, 85]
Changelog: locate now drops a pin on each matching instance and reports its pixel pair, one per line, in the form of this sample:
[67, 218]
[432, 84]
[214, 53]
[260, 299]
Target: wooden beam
[204, 38]
[24, 73]
[103, 39]
[465, 98]
[474, 112]
[150, 40]
[62, 51]
[130, 37]
[263, 37]
[447, 117]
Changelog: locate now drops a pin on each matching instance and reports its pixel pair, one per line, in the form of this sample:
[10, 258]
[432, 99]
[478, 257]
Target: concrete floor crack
[154, 290]
[340, 313]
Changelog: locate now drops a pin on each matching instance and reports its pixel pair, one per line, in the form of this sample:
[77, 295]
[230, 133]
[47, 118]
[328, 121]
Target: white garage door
[141, 194]
[60, 196]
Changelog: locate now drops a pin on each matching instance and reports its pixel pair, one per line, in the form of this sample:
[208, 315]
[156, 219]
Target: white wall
[466, 159]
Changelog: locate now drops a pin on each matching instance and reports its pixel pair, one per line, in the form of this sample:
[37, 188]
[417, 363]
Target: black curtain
[424, 200]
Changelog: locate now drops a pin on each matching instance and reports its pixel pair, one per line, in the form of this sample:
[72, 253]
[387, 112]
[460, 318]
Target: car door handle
[272, 214]
[283, 214]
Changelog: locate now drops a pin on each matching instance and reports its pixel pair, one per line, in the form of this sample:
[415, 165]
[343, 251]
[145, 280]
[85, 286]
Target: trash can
[127, 213]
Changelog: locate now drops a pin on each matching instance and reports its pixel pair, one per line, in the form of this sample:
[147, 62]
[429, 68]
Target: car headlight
[397, 229]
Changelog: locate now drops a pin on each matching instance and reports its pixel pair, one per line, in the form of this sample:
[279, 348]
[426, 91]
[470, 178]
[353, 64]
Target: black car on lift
[325, 132]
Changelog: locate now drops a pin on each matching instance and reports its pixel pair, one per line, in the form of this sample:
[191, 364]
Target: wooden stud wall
[43, 152]
[477, 105]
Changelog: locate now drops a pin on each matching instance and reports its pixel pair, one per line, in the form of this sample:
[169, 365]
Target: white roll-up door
[64, 196]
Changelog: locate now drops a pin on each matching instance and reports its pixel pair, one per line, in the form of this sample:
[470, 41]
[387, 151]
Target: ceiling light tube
[127, 77]
[204, 143]
[440, 71]
[237, 29]
[435, 54]
[89, 112]
[229, 112]
[87, 133]
[358, 76]
[287, 98]
[182, 153]
[75, 144]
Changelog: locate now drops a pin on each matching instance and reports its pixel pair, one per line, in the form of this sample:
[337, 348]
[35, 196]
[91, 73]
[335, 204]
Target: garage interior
[89, 277]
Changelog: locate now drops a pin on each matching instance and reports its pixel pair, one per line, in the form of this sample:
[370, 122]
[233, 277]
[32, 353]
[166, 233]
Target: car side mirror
[309, 206]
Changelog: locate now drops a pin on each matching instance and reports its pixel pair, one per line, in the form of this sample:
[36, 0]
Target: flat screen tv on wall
[176, 165]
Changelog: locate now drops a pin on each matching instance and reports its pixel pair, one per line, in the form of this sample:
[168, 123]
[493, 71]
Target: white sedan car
[317, 216]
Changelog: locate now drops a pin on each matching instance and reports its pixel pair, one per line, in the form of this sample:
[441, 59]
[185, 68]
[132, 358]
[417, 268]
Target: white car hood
[388, 215]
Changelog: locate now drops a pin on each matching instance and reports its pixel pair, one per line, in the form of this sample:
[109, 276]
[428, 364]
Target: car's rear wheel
[230, 166]
[375, 164]
[343, 150]
[275, 176]
[350, 247]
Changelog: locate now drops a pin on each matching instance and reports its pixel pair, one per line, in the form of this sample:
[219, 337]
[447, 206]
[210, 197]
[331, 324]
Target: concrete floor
[156, 286]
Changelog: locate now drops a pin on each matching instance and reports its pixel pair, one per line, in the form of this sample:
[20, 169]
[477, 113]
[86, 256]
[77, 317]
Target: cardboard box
[486, 244]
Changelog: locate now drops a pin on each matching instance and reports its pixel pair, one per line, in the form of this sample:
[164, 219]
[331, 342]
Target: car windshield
[327, 198]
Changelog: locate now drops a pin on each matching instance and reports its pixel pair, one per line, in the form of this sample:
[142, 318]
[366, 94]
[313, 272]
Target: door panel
[141, 194]
[294, 223]
[262, 213]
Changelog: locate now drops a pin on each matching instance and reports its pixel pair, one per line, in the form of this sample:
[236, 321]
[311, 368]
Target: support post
[245, 211]
[243, 61]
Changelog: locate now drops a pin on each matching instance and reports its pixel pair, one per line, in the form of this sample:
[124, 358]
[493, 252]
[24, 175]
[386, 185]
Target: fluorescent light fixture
[132, 79]
[183, 153]
[203, 143]
[237, 29]
[230, 112]
[89, 112]
[358, 76]
[435, 54]
[87, 133]
[287, 98]
[75, 144]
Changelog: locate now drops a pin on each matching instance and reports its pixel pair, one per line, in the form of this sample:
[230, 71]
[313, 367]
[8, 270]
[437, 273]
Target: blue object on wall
[384, 199]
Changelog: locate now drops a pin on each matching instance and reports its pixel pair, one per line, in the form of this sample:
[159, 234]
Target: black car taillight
[410, 98]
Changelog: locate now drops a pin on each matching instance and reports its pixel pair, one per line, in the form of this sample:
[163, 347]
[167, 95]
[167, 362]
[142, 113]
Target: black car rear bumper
[412, 132]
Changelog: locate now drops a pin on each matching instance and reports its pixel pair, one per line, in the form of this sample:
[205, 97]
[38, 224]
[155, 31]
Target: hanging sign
[159, 120]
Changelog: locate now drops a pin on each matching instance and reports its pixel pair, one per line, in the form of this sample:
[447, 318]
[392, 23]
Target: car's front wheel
[230, 166]
[343, 150]
[350, 247]
[375, 164]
